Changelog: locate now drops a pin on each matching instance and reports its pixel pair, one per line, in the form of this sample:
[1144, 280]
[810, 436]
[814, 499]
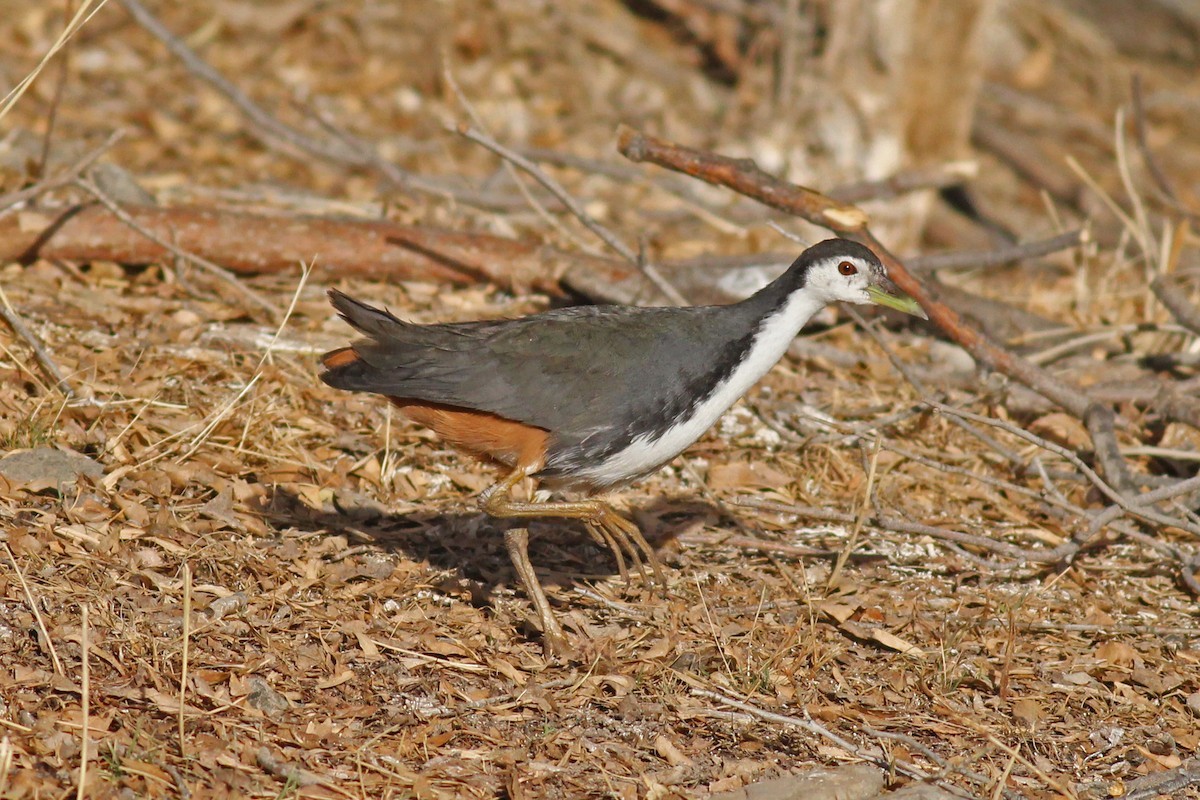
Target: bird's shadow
[469, 545]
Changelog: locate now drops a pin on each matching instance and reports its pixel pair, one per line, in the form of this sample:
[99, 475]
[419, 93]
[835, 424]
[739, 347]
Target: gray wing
[572, 371]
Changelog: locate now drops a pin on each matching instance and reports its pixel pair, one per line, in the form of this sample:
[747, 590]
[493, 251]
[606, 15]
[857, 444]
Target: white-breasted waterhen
[590, 398]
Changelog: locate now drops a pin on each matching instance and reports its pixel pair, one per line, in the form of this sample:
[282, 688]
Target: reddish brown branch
[248, 243]
[744, 177]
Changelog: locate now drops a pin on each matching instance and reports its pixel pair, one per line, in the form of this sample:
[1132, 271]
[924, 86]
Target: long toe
[639, 546]
[602, 535]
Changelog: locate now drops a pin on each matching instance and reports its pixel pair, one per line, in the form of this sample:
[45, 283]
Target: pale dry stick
[63, 178]
[1163, 452]
[1109, 630]
[1114, 512]
[918, 384]
[1170, 783]
[509, 167]
[32, 373]
[810, 726]
[85, 703]
[1130, 505]
[60, 85]
[864, 510]
[296, 775]
[1152, 166]
[1056, 498]
[204, 264]
[1051, 487]
[6, 759]
[608, 602]
[346, 151]
[580, 213]
[183, 671]
[894, 523]
[409, 181]
[1144, 231]
[40, 353]
[1175, 301]
[81, 18]
[37, 614]
[712, 626]
[259, 119]
[221, 413]
[1055, 352]
[946, 766]
[934, 176]
[1122, 216]
[1004, 776]
[969, 259]
[966, 722]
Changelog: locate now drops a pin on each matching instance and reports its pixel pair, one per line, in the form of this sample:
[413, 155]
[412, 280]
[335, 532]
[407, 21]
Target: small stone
[1161, 743]
[264, 698]
[1193, 703]
[186, 318]
[48, 467]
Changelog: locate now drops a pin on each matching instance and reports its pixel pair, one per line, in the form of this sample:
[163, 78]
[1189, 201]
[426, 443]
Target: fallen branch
[744, 176]
[204, 264]
[247, 243]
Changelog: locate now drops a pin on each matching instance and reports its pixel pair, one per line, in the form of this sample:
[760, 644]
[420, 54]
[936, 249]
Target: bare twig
[37, 612]
[1156, 171]
[183, 669]
[44, 359]
[60, 83]
[937, 176]
[555, 188]
[1157, 496]
[1185, 313]
[344, 150]
[260, 120]
[999, 256]
[894, 523]
[81, 17]
[811, 726]
[1127, 503]
[63, 178]
[85, 704]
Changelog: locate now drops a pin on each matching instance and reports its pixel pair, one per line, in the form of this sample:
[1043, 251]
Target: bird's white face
[844, 278]
[854, 279]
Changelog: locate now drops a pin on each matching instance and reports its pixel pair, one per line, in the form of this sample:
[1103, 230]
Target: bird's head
[840, 269]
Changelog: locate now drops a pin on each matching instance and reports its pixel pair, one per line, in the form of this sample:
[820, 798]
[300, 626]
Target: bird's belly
[649, 451]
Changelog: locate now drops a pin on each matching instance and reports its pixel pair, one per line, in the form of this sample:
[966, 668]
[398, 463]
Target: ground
[266, 587]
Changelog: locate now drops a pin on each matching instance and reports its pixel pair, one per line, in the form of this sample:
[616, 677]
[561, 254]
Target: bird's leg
[516, 540]
[616, 531]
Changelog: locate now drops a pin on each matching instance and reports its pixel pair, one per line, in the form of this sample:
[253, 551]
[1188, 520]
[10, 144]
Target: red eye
[846, 268]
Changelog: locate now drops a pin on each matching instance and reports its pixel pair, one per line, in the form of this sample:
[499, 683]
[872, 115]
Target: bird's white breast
[646, 453]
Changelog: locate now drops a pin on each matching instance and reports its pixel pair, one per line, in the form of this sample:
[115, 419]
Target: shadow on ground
[470, 544]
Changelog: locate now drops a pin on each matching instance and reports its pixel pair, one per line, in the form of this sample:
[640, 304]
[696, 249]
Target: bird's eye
[846, 268]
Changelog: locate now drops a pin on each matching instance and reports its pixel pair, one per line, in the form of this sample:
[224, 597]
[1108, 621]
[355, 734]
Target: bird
[586, 399]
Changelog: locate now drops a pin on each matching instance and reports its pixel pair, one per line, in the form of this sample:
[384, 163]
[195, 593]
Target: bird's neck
[781, 315]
